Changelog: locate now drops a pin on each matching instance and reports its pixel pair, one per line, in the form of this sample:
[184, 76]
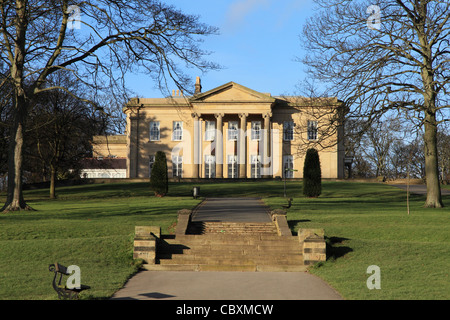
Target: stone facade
[110, 146]
[109, 158]
[232, 132]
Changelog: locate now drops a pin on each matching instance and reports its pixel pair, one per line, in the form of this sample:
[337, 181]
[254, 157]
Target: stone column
[196, 146]
[266, 146]
[242, 160]
[219, 145]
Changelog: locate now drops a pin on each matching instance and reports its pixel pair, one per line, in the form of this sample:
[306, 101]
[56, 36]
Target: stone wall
[145, 242]
[184, 217]
[313, 245]
[279, 218]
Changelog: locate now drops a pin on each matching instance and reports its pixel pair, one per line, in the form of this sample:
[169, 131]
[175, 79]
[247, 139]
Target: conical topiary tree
[312, 175]
[159, 179]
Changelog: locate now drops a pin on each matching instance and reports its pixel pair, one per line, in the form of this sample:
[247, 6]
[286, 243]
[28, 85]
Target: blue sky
[258, 43]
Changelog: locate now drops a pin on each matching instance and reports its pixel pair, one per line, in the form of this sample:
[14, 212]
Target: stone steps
[229, 246]
[228, 239]
[237, 268]
[232, 227]
[233, 260]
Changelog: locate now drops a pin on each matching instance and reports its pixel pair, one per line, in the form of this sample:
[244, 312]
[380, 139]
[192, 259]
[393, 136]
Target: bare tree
[379, 56]
[407, 159]
[378, 140]
[99, 42]
[319, 122]
[60, 131]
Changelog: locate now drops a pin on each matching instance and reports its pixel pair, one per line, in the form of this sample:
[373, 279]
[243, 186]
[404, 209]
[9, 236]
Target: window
[232, 130]
[288, 166]
[177, 166]
[255, 166]
[151, 161]
[256, 130]
[232, 166]
[177, 134]
[210, 130]
[312, 130]
[154, 131]
[288, 131]
[210, 166]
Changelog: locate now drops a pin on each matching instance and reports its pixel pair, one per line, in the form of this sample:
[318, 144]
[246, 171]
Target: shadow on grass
[228, 189]
[335, 250]
[293, 223]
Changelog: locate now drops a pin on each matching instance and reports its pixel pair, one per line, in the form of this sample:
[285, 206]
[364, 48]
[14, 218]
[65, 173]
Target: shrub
[312, 175]
[159, 179]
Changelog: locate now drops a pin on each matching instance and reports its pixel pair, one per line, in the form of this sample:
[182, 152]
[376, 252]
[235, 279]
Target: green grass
[368, 224]
[89, 226]
[92, 226]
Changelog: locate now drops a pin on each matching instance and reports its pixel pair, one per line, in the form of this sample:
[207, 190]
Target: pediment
[232, 92]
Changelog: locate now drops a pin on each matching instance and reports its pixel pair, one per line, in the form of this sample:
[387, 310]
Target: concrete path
[232, 210]
[419, 189]
[187, 285]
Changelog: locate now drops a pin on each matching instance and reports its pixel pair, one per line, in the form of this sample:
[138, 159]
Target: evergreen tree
[312, 175]
[159, 179]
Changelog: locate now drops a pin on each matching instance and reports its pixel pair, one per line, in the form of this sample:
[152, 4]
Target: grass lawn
[88, 226]
[93, 227]
[367, 224]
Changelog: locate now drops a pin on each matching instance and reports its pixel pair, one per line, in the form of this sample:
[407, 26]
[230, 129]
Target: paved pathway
[191, 285]
[232, 210]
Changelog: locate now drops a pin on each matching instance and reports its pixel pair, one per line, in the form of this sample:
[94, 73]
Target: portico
[232, 108]
[230, 142]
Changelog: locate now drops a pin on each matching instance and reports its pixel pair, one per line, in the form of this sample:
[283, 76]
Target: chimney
[177, 93]
[198, 86]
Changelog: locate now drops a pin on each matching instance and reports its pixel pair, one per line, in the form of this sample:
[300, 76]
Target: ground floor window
[288, 166]
[210, 166]
[177, 166]
[232, 166]
[255, 166]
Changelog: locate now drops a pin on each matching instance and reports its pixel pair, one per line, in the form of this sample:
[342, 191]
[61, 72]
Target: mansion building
[228, 132]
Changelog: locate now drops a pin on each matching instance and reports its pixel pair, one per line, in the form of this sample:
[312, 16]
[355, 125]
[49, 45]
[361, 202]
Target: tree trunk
[434, 198]
[52, 182]
[14, 199]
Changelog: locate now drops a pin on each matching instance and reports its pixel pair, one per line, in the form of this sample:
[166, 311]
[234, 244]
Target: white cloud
[292, 8]
[240, 9]
[281, 11]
